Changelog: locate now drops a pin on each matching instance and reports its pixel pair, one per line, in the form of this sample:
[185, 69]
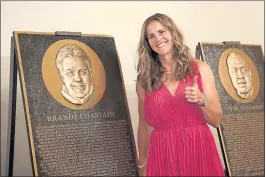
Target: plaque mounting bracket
[67, 33]
[231, 42]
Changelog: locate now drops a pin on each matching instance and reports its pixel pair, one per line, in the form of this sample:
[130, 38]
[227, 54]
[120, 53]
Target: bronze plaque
[75, 104]
[239, 75]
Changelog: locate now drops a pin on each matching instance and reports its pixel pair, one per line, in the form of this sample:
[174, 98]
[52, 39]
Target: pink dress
[181, 143]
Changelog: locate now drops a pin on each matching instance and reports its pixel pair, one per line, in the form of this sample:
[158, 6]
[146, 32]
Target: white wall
[199, 21]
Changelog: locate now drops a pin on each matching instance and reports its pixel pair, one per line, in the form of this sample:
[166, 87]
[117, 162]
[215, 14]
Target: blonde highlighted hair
[149, 68]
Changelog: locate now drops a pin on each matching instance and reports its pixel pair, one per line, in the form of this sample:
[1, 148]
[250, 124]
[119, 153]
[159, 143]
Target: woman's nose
[158, 38]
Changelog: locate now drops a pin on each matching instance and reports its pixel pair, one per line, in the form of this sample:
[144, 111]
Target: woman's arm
[212, 112]
[143, 130]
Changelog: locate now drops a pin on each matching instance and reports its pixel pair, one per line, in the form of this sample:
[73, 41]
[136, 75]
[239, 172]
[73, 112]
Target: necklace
[169, 72]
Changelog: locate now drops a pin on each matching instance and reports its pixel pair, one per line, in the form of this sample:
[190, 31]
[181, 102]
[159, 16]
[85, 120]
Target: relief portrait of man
[240, 75]
[74, 68]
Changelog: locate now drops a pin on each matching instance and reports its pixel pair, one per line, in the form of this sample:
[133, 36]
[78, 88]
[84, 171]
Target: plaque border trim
[219, 128]
[54, 33]
[220, 43]
[26, 104]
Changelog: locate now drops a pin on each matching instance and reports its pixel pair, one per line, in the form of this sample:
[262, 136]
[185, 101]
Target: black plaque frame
[17, 68]
[257, 51]
[12, 106]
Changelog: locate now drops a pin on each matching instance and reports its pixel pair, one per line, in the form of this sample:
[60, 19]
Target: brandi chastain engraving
[81, 116]
[74, 67]
[240, 75]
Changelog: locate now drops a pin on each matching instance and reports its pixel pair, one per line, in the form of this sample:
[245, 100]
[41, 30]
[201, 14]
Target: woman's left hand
[193, 93]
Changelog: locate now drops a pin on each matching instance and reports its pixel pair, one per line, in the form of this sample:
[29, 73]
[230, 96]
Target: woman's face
[159, 38]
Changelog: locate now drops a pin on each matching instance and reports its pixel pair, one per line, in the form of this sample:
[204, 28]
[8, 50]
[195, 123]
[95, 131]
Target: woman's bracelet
[141, 166]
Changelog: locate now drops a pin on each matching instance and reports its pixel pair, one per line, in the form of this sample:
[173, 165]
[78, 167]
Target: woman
[177, 97]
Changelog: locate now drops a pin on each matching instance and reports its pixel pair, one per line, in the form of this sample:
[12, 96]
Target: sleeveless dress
[181, 143]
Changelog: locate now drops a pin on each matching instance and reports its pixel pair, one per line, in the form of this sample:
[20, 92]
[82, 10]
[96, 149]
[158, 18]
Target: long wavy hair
[149, 68]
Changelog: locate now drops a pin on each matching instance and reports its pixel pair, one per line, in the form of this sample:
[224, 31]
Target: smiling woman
[177, 97]
[159, 38]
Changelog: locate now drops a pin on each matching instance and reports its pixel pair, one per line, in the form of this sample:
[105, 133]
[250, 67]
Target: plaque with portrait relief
[75, 104]
[239, 77]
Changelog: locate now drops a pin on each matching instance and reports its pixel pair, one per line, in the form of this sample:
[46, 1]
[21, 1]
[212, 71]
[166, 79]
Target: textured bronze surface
[94, 138]
[241, 131]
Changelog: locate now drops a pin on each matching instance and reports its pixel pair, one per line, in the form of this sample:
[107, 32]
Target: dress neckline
[177, 88]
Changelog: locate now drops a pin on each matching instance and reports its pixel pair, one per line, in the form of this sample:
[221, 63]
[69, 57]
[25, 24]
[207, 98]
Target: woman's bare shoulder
[202, 66]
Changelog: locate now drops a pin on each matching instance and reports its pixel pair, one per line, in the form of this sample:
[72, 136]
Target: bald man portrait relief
[74, 67]
[240, 75]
